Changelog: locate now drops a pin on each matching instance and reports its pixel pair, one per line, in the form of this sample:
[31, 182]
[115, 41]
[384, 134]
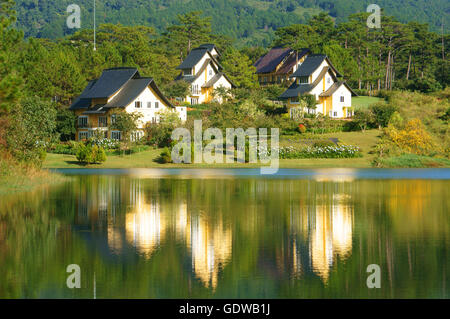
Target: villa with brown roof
[279, 64]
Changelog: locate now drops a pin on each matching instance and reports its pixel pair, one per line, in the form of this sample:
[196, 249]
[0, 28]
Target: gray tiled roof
[210, 47]
[298, 89]
[335, 87]
[110, 82]
[193, 58]
[81, 102]
[129, 91]
[295, 90]
[311, 63]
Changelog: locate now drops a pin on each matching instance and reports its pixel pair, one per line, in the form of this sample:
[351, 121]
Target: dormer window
[187, 72]
[303, 80]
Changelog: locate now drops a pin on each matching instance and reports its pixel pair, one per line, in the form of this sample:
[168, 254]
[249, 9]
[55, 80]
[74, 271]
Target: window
[82, 121]
[335, 114]
[137, 104]
[328, 80]
[102, 121]
[154, 120]
[113, 118]
[210, 72]
[194, 101]
[295, 100]
[187, 72]
[156, 105]
[194, 89]
[83, 136]
[342, 99]
[116, 135]
[303, 80]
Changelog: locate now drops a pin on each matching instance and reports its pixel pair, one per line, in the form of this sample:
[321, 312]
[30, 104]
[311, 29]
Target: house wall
[339, 106]
[149, 114]
[205, 94]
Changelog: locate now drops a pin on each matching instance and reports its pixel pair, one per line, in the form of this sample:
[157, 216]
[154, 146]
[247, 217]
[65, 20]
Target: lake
[229, 233]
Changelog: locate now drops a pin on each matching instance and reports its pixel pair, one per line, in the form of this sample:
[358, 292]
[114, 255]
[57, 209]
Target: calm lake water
[229, 234]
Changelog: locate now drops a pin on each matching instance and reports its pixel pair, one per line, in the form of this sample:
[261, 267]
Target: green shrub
[382, 113]
[90, 154]
[324, 143]
[165, 157]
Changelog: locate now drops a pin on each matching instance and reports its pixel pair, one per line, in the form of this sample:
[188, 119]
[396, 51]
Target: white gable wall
[149, 114]
[338, 106]
[319, 69]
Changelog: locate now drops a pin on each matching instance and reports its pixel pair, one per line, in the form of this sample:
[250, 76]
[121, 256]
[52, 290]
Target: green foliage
[159, 134]
[89, 153]
[382, 113]
[413, 161]
[176, 89]
[239, 68]
[33, 126]
[165, 156]
[126, 123]
[363, 119]
[65, 124]
[425, 85]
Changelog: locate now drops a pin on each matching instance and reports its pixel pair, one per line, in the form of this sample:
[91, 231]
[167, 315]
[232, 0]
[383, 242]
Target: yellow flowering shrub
[413, 138]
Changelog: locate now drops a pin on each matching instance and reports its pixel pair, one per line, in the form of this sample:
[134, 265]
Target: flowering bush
[107, 144]
[336, 151]
[301, 128]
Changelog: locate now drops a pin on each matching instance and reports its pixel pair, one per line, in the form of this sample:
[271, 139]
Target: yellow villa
[204, 73]
[318, 77]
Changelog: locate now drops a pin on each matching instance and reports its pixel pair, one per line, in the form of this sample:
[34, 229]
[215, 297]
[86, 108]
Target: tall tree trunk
[409, 67]
[388, 66]
[359, 67]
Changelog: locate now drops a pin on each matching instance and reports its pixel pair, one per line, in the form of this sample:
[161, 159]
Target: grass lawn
[146, 159]
[364, 101]
[17, 180]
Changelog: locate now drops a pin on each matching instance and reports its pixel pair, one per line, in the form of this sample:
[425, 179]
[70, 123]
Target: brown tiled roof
[269, 62]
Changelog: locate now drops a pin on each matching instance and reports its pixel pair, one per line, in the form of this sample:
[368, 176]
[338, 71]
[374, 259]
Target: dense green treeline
[50, 73]
[252, 22]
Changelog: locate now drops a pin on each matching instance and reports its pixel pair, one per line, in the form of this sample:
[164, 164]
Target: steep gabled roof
[210, 47]
[195, 56]
[269, 62]
[111, 81]
[129, 91]
[311, 64]
[82, 102]
[291, 61]
[192, 78]
[298, 89]
[335, 87]
[216, 78]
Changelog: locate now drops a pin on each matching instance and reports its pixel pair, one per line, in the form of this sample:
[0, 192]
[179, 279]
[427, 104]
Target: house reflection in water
[322, 233]
[149, 220]
[211, 247]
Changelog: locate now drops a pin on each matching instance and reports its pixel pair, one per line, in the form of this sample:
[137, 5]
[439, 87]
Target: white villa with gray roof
[119, 88]
[318, 77]
[204, 74]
